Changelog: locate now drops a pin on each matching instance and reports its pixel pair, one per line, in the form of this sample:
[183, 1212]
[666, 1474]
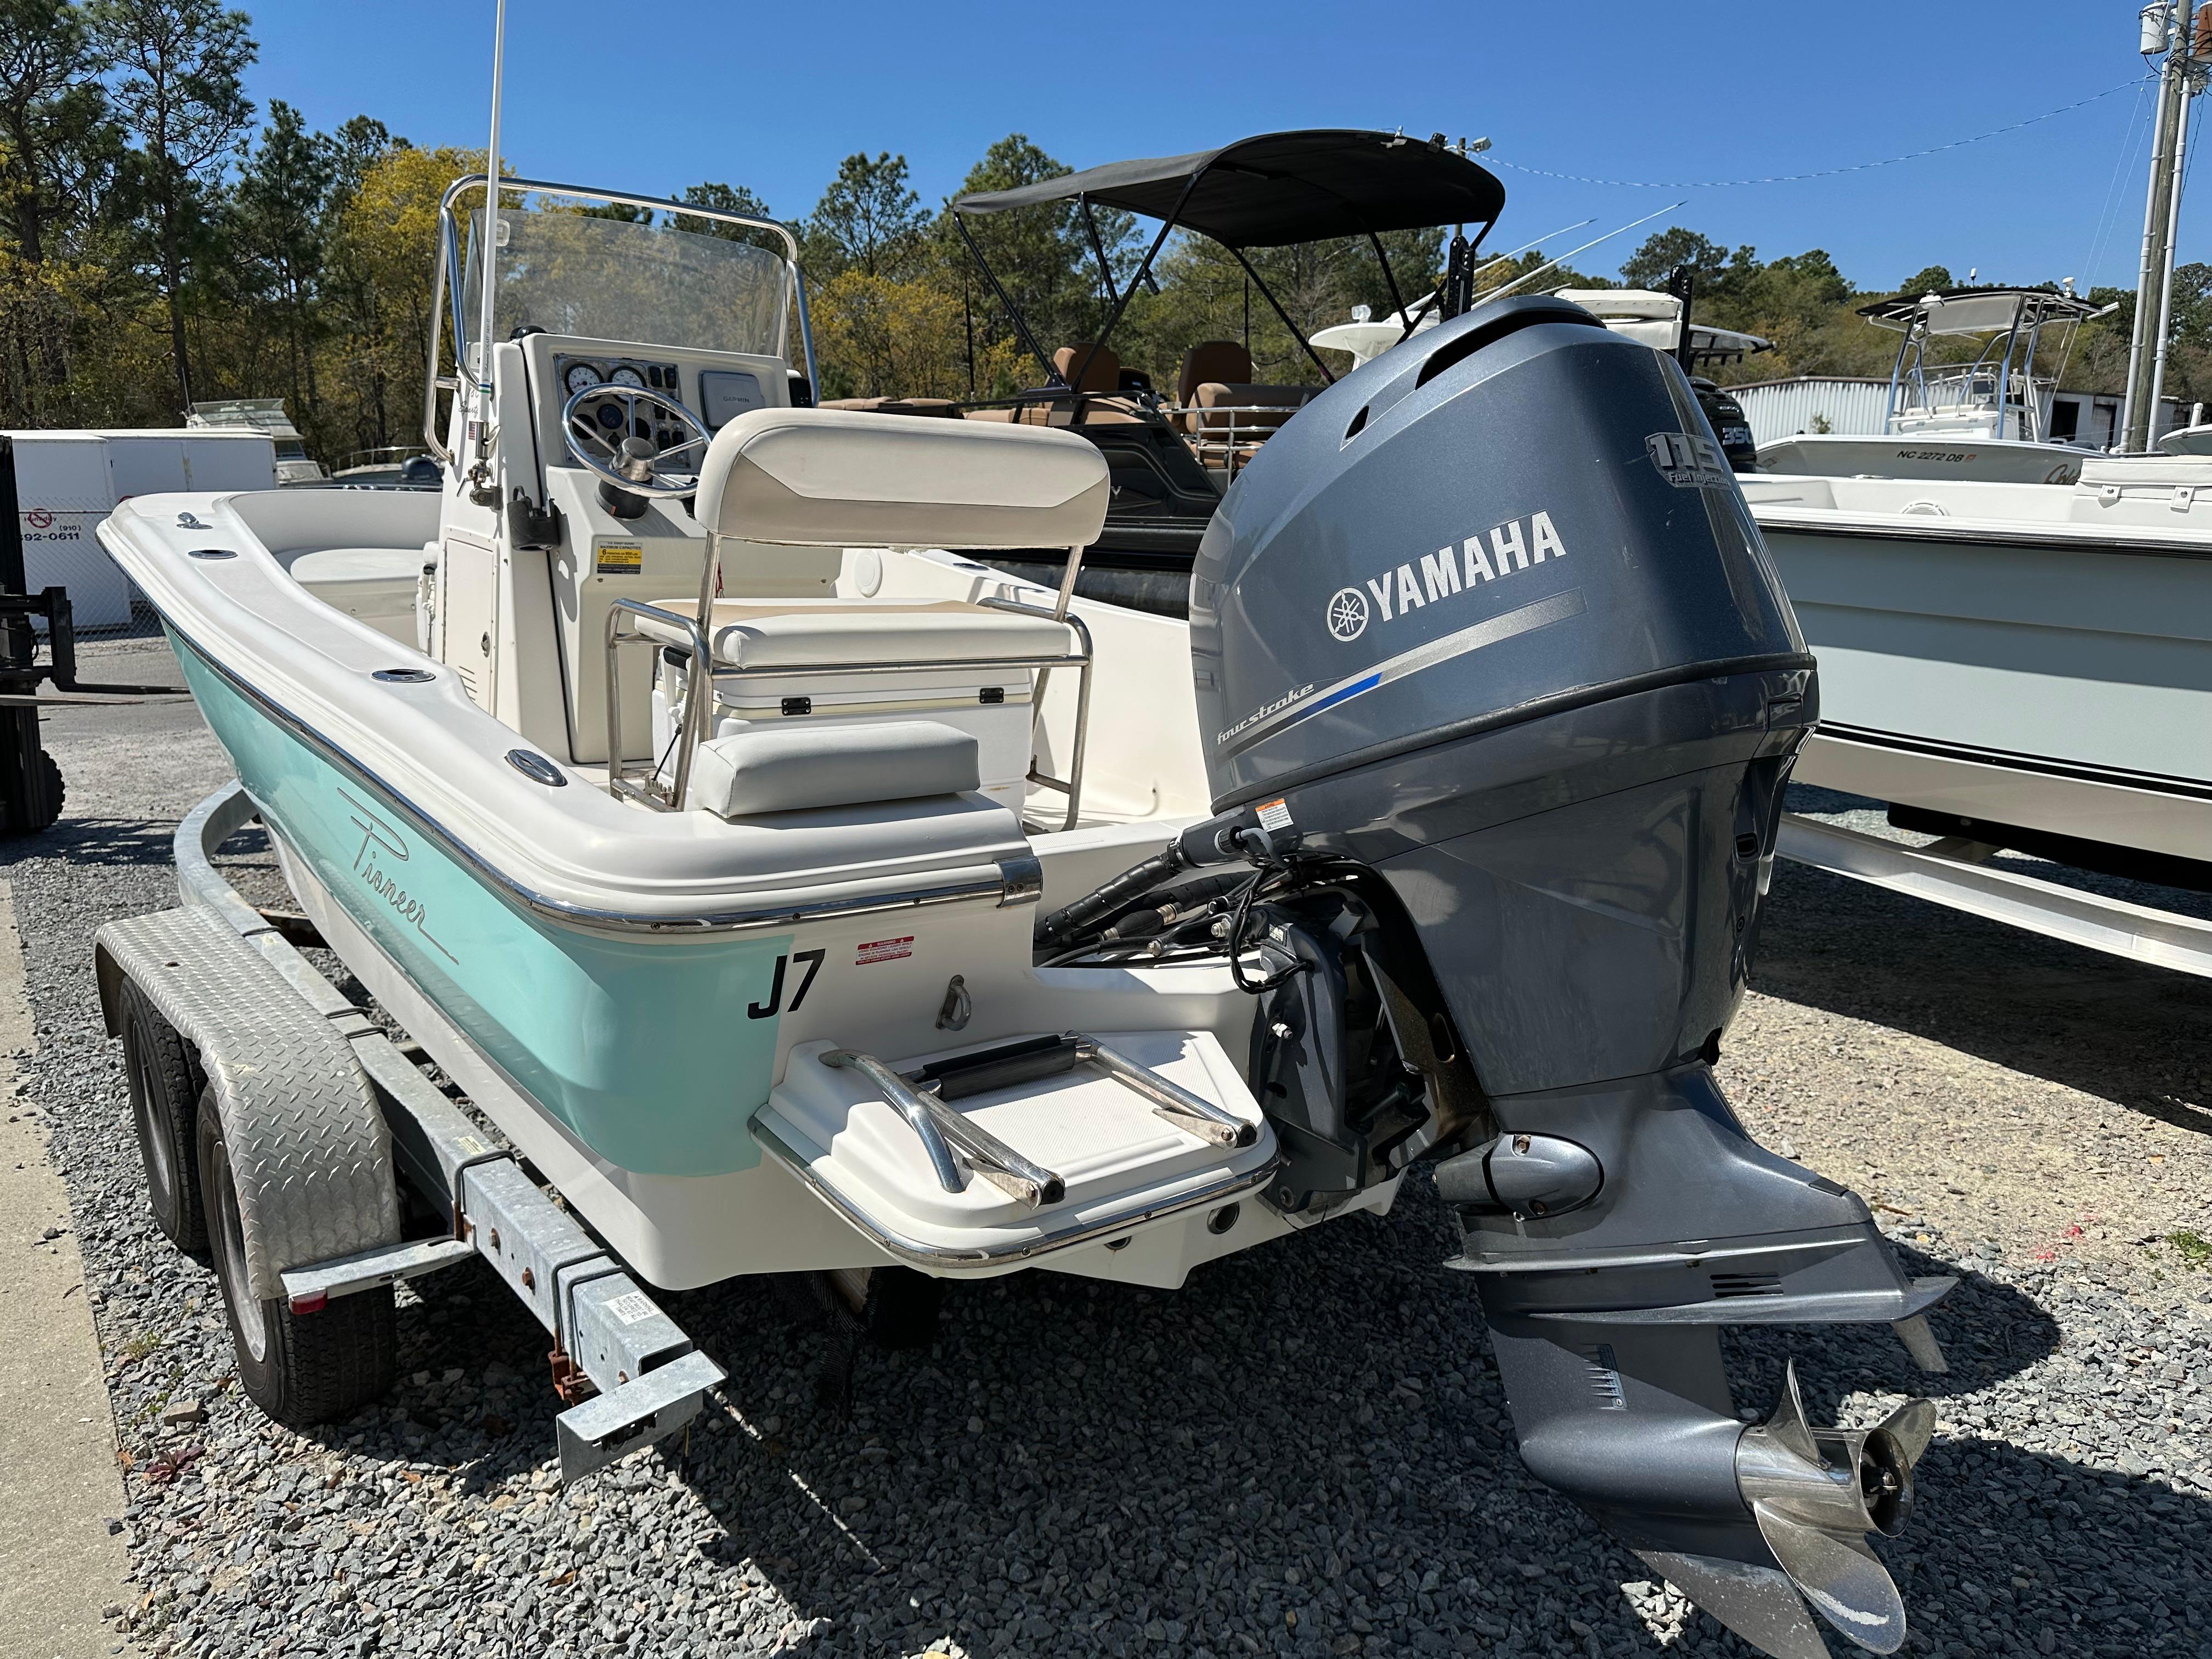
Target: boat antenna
[1491, 264]
[1499, 294]
[481, 473]
[1428, 301]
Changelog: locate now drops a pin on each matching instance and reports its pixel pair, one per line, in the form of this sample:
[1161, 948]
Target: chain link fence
[67, 482]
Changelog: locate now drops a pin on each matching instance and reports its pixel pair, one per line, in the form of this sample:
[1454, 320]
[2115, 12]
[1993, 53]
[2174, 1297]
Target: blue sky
[653, 96]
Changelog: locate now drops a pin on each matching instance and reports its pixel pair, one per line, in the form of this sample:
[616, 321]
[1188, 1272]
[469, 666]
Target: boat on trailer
[789, 890]
[2014, 640]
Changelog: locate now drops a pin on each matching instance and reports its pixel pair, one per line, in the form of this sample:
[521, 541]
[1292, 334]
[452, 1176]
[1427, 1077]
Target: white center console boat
[2010, 661]
[1986, 417]
[795, 893]
[2014, 640]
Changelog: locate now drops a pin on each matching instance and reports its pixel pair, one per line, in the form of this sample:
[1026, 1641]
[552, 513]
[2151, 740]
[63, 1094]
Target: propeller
[1816, 1495]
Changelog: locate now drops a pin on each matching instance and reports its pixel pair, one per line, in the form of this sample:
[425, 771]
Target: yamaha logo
[1512, 547]
[1347, 614]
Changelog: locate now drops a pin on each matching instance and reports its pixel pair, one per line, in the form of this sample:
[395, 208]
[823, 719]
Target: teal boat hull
[641, 1048]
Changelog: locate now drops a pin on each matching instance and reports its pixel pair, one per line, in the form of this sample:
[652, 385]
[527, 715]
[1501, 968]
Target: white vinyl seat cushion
[838, 631]
[354, 568]
[2159, 473]
[839, 478]
[789, 769]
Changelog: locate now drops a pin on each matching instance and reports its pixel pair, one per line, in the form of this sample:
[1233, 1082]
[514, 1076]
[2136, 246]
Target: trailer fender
[310, 1152]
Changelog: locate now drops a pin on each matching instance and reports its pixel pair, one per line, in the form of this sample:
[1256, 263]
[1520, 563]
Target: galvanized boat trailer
[313, 1116]
[1956, 871]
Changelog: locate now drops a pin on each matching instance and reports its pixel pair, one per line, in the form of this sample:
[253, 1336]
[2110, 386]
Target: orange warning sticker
[884, 950]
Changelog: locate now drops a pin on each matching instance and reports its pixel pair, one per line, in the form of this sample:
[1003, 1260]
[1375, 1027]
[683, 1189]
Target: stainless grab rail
[1191, 1113]
[941, 1129]
[1072, 785]
[652, 792]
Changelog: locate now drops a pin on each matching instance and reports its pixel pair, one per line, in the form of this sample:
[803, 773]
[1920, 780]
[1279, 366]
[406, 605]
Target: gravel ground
[1304, 1451]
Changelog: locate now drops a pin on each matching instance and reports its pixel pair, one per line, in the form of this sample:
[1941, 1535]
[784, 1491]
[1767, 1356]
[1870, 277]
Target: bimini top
[1977, 310]
[1282, 188]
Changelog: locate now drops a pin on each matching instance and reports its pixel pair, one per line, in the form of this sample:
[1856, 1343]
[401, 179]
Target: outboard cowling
[1488, 637]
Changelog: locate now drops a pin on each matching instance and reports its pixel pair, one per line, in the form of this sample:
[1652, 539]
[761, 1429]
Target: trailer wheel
[301, 1369]
[165, 1081]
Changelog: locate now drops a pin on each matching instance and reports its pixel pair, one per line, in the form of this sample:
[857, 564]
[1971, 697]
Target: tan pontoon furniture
[1099, 401]
[1223, 412]
[943, 408]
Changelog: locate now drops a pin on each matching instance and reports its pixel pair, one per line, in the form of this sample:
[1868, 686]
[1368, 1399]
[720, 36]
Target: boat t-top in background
[1986, 417]
[2015, 635]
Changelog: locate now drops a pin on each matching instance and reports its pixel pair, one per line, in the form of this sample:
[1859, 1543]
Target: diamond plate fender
[309, 1148]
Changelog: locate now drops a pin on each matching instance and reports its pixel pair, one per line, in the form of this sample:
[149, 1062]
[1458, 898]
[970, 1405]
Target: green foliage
[57, 139]
[1036, 254]
[158, 244]
[729, 199]
[175, 71]
[1665, 250]
[868, 220]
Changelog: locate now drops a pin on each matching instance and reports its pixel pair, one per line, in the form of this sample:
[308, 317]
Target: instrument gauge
[581, 377]
[628, 376]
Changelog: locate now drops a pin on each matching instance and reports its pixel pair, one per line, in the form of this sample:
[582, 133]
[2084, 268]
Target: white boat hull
[1932, 455]
[2054, 676]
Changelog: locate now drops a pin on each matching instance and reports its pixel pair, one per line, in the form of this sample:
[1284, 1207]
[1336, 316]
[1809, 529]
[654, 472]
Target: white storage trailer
[67, 482]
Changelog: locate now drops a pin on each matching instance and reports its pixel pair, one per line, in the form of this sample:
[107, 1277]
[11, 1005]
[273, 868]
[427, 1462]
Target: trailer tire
[300, 1369]
[164, 1077]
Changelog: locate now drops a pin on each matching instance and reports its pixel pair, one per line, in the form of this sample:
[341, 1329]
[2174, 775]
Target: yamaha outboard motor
[1499, 692]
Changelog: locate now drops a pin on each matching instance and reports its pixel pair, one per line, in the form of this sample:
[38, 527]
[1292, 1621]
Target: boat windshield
[572, 273]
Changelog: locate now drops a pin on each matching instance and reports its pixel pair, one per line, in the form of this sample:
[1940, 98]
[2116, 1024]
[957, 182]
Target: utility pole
[2169, 27]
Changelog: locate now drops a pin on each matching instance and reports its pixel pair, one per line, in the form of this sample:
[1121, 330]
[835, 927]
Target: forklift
[31, 788]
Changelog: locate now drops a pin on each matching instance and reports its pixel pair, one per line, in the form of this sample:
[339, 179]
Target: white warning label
[632, 1307]
[1274, 816]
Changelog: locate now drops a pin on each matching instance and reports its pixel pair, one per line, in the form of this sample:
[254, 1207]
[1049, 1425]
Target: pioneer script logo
[382, 849]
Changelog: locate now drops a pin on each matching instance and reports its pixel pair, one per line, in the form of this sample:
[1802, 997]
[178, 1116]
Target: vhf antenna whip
[1523, 281]
[484, 491]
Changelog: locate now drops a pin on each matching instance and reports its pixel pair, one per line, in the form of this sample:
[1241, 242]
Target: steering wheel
[625, 460]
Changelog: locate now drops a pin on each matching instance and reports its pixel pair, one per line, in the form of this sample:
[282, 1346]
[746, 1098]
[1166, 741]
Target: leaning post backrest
[834, 477]
[843, 478]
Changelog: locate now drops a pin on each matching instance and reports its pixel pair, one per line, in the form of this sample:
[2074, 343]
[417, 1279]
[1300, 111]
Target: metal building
[1851, 405]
